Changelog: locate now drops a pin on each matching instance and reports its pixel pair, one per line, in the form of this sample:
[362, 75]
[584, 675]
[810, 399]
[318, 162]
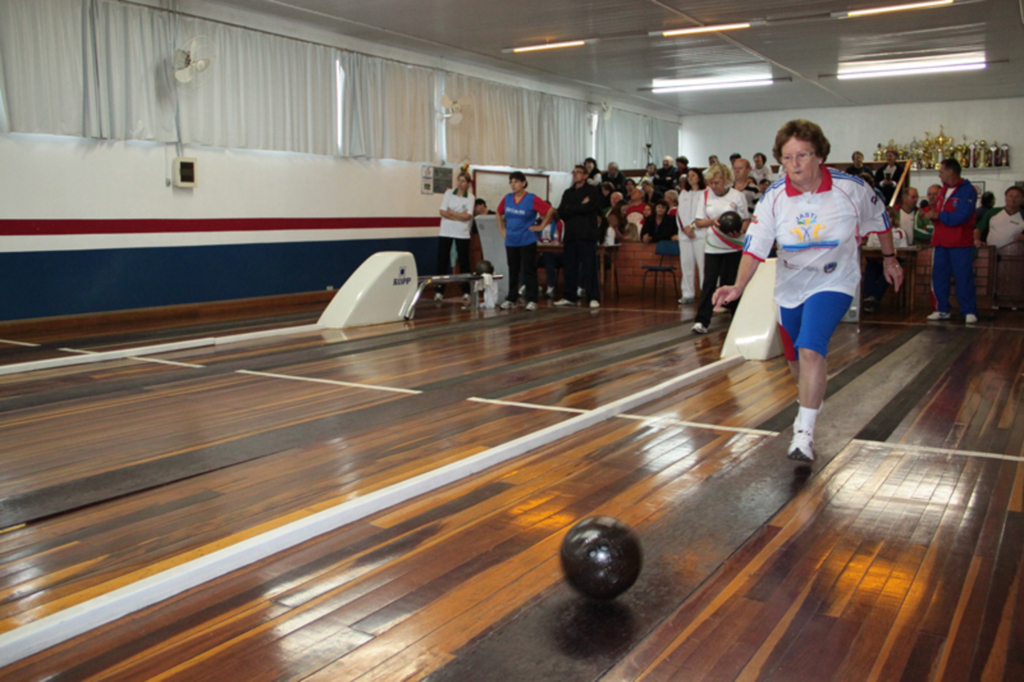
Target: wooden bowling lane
[258, 631]
[31, 342]
[139, 432]
[418, 581]
[696, 496]
[64, 560]
[273, 449]
[977, 404]
[897, 564]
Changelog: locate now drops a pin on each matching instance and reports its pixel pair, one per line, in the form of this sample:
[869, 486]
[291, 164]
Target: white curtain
[500, 124]
[664, 139]
[100, 68]
[104, 69]
[388, 109]
[4, 124]
[42, 53]
[623, 138]
[564, 132]
[264, 92]
[129, 92]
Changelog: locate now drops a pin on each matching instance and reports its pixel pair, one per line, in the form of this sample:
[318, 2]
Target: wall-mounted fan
[193, 62]
[451, 111]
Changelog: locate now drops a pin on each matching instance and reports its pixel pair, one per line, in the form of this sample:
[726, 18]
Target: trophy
[963, 154]
[993, 152]
[1004, 151]
[980, 149]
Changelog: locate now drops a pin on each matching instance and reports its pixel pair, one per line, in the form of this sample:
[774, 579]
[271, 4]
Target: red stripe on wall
[21, 228]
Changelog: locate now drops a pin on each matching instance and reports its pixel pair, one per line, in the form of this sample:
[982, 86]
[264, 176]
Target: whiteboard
[492, 186]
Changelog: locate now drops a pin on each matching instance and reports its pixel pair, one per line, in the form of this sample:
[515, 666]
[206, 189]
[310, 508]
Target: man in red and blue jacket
[953, 244]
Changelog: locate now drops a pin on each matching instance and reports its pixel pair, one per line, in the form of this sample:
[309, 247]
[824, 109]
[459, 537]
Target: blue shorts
[811, 324]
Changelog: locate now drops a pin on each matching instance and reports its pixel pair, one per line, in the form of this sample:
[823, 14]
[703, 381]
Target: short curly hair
[805, 131]
[719, 170]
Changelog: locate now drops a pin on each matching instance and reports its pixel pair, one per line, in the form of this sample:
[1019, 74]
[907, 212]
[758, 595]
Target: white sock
[805, 419]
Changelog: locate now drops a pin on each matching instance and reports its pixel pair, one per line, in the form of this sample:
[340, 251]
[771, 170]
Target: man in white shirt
[761, 170]
[1001, 227]
[908, 213]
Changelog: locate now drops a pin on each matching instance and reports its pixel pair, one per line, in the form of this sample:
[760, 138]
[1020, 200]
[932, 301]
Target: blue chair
[662, 249]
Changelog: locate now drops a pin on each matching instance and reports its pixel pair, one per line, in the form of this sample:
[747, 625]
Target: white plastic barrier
[754, 332]
[375, 293]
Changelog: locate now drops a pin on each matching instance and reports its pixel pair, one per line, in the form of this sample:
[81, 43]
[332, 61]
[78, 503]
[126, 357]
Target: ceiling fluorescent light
[701, 29]
[892, 8]
[549, 46]
[693, 85]
[907, 68]
[916, 71]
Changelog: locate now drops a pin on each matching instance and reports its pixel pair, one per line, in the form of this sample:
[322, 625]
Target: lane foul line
[137, 359]
[928, 450]
[637, 417]
[331, 382]
[21, 343]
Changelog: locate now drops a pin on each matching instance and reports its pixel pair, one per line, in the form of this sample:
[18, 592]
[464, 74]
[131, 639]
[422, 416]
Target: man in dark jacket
[667, 177]
[579, 210]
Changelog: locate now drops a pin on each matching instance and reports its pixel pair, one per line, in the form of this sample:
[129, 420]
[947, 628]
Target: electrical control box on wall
[184, 172]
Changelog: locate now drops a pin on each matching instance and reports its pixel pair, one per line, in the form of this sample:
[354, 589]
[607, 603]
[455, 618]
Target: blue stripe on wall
[45, 284]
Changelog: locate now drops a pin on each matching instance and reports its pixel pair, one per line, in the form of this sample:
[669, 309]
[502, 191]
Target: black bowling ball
[601, 557]
[484, 267]
[730, 222]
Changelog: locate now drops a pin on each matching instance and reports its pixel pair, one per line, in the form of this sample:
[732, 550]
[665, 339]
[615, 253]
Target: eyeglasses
[579, 171]
[802, 156]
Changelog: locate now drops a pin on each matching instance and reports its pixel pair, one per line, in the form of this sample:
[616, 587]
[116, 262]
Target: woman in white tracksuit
[691, 238]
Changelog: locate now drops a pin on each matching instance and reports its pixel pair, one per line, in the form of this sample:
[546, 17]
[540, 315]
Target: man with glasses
[579, 209]
[817, 219]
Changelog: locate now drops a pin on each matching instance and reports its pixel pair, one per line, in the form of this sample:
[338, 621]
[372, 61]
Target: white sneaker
[439, 296]
[507, 305]
[564, 302]
[937, 316]
[801, 448]
[531, 306]
[971, 319]
[595, 304]
[550, 292]
[700, 329]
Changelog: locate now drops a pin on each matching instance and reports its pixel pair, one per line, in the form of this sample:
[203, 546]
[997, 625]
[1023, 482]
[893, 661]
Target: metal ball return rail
[424, 282]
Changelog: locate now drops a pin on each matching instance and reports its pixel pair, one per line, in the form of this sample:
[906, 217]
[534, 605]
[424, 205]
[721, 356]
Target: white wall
[62, 178]
[49, 177]
[863, 128]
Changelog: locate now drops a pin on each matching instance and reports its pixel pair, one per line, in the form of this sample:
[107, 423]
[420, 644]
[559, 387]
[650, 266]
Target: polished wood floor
[896, 556]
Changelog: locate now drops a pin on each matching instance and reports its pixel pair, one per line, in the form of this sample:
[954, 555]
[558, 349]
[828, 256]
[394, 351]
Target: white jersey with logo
[818, 234]
[710, 205]
[1003, 228]
[458, 229]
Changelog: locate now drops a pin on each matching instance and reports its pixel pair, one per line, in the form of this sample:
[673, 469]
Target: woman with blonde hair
[722, 250]
[456, 215]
